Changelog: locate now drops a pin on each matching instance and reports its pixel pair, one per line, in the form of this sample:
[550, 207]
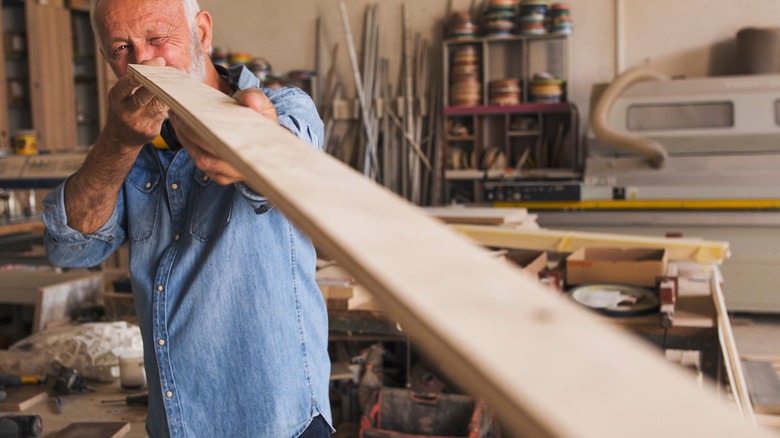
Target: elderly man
[233, 323]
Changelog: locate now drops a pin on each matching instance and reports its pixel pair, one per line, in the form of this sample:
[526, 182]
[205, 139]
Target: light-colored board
[21, 398]
[547, 367]
[54, 295]
[57, 302]
[478, 215]
[763, 386]
[728, 348]
[95, 430]
[701, 251]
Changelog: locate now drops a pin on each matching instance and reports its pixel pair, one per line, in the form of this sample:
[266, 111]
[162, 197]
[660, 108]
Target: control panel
[517, 191]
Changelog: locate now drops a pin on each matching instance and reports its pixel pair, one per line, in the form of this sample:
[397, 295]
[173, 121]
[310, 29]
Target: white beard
[197, 67]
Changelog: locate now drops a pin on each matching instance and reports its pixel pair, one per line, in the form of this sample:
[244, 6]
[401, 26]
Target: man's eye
[156, 41]
[119, 50]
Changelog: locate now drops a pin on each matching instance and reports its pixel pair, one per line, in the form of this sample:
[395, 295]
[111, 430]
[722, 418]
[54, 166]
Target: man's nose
[143, 53]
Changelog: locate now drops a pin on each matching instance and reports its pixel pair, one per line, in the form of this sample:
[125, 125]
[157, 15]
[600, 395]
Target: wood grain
[546, 367]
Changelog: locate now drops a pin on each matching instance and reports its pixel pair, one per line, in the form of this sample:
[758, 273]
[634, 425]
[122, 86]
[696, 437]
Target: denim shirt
[233, 323]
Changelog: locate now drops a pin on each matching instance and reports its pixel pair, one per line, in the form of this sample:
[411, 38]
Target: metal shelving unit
[524, 141]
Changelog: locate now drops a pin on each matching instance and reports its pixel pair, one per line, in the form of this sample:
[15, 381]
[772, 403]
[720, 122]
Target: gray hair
[191, 9]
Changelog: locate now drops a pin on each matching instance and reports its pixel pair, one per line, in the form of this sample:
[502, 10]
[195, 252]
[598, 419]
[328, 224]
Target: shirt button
[169, 394]
[161, 342]
[205, 178]
[160, 288]
[174, 186]
[176, 237]
[148, 185]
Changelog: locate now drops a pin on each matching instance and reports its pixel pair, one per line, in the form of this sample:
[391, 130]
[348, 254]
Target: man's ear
[204, 24]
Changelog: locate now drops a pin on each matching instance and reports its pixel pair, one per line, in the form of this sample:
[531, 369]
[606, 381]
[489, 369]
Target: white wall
[676, 37]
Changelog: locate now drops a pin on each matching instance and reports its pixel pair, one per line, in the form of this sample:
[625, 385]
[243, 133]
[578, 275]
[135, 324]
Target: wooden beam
[701, 251]
[546, 366]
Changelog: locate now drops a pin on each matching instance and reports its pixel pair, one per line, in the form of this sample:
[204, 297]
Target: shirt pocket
[143, 202]
[212, 205]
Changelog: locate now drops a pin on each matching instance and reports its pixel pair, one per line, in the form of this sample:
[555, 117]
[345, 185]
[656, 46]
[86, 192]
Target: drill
[69, 380]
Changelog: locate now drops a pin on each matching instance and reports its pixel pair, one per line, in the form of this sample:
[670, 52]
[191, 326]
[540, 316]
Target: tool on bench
[139, 400]
[21, 426]
[9, 380]
[69, 380]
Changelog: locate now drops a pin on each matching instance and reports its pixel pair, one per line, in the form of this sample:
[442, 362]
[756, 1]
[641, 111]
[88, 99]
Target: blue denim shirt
[233, 323]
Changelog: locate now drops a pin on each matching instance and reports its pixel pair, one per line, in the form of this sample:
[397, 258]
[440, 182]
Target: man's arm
[134, 119]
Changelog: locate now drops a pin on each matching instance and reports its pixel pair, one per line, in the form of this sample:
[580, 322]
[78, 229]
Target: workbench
[22, 226]
[87, 407]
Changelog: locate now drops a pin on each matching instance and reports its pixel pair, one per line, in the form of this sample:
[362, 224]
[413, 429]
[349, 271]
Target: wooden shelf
[522, 133]
[506, 109]
[504, 39]
[461, 138]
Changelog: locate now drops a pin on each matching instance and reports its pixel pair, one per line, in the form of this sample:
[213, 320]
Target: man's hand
[135, 115]
[204, 156]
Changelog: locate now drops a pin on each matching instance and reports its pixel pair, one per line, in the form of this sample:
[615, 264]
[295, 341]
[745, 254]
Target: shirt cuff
[56, 221]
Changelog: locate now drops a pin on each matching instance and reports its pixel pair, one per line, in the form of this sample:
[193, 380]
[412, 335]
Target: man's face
[133, 31]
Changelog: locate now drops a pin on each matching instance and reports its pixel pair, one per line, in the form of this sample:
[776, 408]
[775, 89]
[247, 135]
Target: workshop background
[687, 38]
[684, 255]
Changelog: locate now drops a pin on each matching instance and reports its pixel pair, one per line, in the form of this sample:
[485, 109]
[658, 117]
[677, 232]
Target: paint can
[26, 142]
[132, 375]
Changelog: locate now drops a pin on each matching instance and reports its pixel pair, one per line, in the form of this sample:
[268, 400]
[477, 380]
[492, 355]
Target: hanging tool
[131, 400]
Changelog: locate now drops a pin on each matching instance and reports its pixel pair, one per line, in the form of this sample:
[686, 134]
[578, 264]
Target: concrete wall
[690, 37]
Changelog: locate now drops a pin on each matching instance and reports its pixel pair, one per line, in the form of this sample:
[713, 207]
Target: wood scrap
[479, 215]
[23, 397]
[114, 429]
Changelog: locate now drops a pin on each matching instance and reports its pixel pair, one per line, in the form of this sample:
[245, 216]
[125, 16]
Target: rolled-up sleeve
[69, 248]
[297, 113]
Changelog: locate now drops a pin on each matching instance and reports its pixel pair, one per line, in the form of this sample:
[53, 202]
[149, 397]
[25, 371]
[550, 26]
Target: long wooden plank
[701, 251]
[547, 367]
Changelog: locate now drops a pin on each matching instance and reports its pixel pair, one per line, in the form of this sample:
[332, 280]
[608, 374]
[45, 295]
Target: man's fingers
[143, 98]
[258, 101]
[252, 98]
[124, 88]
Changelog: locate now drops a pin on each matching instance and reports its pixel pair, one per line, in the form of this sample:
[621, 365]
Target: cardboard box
[530, 261]
[635, 266]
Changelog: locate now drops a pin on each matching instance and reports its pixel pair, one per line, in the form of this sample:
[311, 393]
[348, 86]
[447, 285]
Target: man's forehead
[140, 7]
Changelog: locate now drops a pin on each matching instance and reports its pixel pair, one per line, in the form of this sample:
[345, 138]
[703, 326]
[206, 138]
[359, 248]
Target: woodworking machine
[716, 174]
